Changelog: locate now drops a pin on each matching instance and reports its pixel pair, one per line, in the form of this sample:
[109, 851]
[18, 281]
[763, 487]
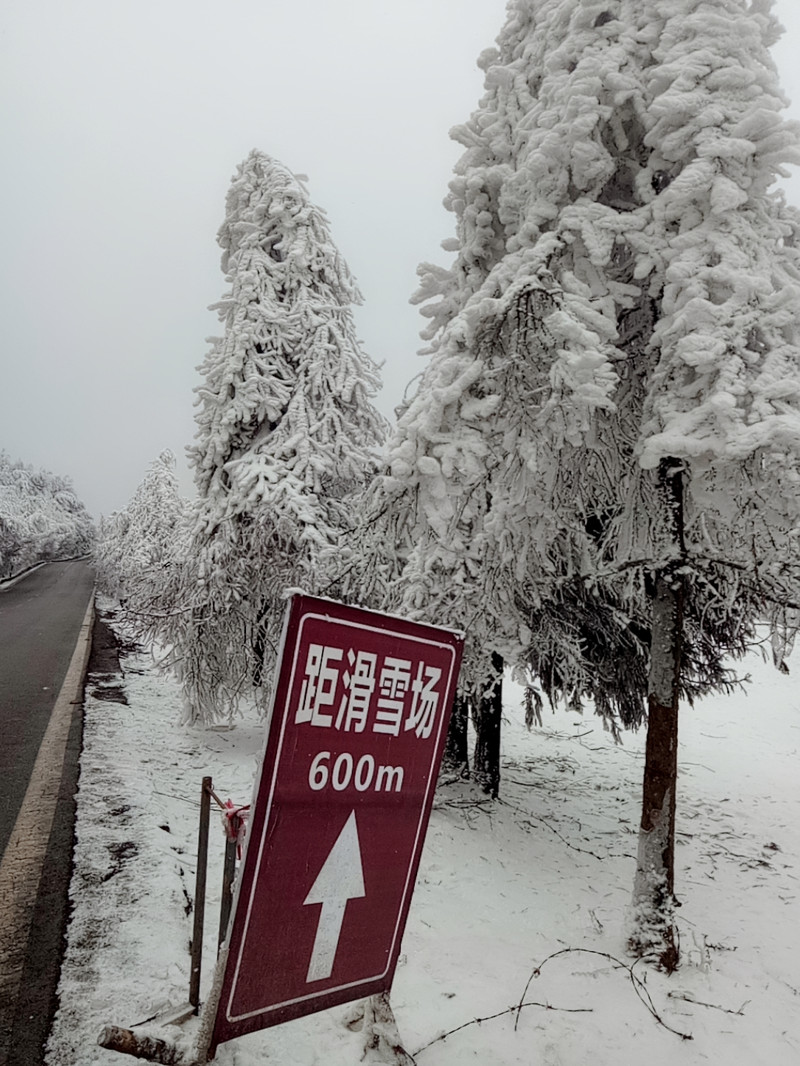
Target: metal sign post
[339, 814]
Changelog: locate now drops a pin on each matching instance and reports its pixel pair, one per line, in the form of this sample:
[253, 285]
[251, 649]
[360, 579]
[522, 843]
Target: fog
[122, 124]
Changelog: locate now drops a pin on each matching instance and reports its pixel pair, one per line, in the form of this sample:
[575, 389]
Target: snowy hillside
[517, 900]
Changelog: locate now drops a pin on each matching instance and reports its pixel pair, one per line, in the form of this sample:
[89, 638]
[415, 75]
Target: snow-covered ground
[519, 899]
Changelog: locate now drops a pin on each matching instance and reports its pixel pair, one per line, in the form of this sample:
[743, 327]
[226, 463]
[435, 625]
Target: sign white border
[318, 615]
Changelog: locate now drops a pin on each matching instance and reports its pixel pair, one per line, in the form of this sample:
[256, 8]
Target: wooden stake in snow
[228, 875]
[200, 893]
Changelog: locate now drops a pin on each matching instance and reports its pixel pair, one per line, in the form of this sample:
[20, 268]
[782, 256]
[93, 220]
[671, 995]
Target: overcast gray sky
[122, 122]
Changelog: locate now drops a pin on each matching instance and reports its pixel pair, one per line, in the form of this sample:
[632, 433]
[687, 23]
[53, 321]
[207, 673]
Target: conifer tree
[136, 547]
[598, 473]
[287, 436]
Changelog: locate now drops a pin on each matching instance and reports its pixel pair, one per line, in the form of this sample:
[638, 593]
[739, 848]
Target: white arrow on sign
[340, 879]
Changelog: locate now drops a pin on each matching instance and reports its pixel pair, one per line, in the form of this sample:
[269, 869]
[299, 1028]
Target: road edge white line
[23, 860]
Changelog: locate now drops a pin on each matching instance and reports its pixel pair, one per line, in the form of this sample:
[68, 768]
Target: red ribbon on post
[234, 822]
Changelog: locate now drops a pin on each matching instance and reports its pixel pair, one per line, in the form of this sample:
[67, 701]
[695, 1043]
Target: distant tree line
[41, 518]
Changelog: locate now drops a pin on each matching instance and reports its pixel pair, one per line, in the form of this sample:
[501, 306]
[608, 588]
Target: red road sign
[339, 814]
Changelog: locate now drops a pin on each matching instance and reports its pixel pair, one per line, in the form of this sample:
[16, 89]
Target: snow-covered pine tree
[137, 547]
[598, 473]
[287, 437]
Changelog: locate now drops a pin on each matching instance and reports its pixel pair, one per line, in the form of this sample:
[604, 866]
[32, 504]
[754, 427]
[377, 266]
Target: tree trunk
[455, 760]
[260, 646]
[488, 712]
[653, 928]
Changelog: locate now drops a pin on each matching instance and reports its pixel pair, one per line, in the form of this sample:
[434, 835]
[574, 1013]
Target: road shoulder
[25, 894]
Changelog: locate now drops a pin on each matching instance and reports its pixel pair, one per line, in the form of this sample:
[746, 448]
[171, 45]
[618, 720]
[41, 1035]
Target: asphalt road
[41, 619]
